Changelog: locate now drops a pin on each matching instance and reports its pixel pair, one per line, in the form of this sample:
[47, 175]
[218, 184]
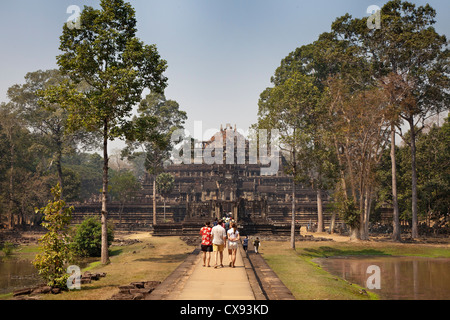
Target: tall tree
[360, 125]
[327, 58]
[397, 93]
[164, 185]
[24, 180]
[433, 158]
[89, 168]
[124, 187]
[115, 66]
[155, 141]
[46, 120]
[288, 107]
[407, 45]
[11, 129]
[433, 175]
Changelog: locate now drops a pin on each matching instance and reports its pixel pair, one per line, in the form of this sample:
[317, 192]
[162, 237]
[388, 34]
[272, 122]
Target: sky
[221, 54]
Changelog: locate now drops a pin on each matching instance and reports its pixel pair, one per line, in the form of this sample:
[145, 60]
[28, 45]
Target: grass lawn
[153, 259]
[308, 281]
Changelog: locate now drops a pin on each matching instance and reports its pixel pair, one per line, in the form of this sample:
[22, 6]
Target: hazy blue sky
[221, 53]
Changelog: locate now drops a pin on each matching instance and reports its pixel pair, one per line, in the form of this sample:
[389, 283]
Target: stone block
[95, 276]
[138, 296]
[22, 292]
[56, 291]
[138, 285]
[151, 284]
[85, 280]
[41, 290]
[126, 289]
[121, 296]
[143, 291]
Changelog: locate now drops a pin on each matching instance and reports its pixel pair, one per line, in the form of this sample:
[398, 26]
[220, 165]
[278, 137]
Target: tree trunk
[11, 188]
[365, 222]
[319, 211]
[122, 205]
[396, 234]
[59, 168]
[350, 172]
[333, 222]
[354, 233]
[362, 213]
[341, 170]
[154, 200]
[294, 173]
[104, 253]
[293, 215]
[414, 230]
[164, 209]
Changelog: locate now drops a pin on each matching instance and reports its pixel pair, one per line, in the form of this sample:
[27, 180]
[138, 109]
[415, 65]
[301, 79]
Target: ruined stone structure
[260, 203]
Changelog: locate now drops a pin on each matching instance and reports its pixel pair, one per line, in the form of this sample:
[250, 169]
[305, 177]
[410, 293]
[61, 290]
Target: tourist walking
[256, 244]
[233, 238]
[227, 224]
[206, 245]
[219, 238]
[245, 243]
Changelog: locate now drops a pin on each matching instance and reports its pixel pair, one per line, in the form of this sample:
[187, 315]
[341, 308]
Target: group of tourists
[222, 235]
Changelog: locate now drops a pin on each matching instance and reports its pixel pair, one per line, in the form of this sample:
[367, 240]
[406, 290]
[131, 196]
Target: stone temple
[260, 203]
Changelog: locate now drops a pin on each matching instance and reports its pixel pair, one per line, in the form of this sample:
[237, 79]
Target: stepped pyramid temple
[225, 181]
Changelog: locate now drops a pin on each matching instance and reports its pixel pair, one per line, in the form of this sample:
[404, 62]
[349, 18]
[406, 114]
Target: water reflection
[18, 274]
[402, 278]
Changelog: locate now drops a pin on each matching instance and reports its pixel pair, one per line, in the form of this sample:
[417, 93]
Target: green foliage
[88, 168]
[106, 54]
[165, 183]
[72, 184]
[87, 238]
[349, 212]
[165, 117]
[55, 244]
[7, 248]
[432, 156]
[109, 68]
[124, 186]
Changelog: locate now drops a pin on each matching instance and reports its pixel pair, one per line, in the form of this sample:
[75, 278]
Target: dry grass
[308, 281]
[151, 260]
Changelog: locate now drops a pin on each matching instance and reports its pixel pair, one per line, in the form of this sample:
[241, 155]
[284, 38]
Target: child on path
[245, 243]
[256, 244]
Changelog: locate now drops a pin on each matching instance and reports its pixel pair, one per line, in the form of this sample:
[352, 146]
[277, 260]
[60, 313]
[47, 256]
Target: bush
[7, 248]
[349, 213]
[55, 244]
[87, 238]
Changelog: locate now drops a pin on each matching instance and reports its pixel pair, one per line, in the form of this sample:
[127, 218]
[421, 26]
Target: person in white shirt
[233, 238]
[219, 238]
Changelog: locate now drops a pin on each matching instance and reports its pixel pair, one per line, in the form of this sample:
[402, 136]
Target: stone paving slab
[176, 279]
[251, 279]
[223, 283]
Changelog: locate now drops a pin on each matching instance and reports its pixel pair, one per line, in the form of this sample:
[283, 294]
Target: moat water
[395, 278]
[18, 274]
[400, 278]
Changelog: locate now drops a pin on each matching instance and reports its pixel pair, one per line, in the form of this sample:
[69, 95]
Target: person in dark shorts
[206, 245]
[245, 243]
[256, 244]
